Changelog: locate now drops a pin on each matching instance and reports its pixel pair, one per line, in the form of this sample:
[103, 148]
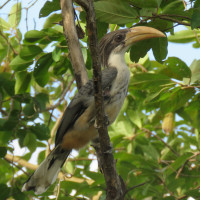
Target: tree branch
[168, 17]
[61, 97]
[76, 55]
[4, 4]
[114, 186]
[9, 44]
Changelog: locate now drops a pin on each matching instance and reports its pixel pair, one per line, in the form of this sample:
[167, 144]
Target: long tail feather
[47, 172]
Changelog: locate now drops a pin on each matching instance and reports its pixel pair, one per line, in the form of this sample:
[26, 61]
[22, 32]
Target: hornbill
[77, 126]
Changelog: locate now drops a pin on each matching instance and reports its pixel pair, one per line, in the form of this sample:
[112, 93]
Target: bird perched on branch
[77, 126]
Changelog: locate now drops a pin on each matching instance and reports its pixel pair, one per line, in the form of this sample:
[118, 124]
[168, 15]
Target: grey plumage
[77, 126]
[81, 101]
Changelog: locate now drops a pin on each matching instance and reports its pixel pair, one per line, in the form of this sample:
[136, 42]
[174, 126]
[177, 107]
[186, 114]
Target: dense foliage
[155, 138]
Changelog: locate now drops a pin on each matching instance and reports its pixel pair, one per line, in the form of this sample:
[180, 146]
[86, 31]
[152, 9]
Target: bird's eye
[119, 38]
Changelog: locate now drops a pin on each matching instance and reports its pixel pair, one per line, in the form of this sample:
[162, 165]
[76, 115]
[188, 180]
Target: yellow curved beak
[141, 33]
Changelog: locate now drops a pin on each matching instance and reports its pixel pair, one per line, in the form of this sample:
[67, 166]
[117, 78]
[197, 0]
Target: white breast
[119, 87]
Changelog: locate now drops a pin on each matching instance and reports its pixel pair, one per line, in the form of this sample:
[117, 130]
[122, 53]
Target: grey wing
[81, 101]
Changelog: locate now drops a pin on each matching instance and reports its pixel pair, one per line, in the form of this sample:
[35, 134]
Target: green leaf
[7, 84]
[29, 52]
[161, 25]
[30, 141]
[52, 19]
[169, 198]
[5, 191]
[61, 66]
[102, 28]
[184, 36]
[34, 35]
[175, 99]
[41, 156]
[154, 95]
[174, 6]
[15, 15]
[20, 64]
[148, 81]
[12, 121]
[5, 136]
[176, 68]
[146, 4]
[23, 80]
[56, 54]
[41, 131]
[147, 12]
[159, 47]
[28, 109]
[3, 151]
[150, 151]
[115, 12]
[49, 7]
[134, 116]
[40, 73]
[41, 100]
[178, 163]
[195, 71]
[195, 193]
[197, 4]
[4, 25]
[140, 49]
[195, 20]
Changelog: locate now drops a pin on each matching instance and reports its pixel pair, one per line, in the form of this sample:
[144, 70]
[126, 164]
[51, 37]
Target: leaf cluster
[156, 136]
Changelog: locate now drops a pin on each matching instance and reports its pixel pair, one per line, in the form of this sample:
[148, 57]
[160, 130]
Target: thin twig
[58, 190]
[168, 17]
[9, 44]
[182, 167]
[156, 136]
[186, 196]
[195, 33]
[61, 97]
[26, 19]
[135, 186]
[4, 4]
[16, 166]
[174, 15]
[184, 4]
[171, 19]
[32, 4]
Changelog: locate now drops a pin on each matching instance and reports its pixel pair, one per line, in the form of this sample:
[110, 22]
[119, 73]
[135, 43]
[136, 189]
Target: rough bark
[113, 181]
[75, 52]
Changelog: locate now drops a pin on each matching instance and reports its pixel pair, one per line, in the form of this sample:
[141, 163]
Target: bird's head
[118, 42]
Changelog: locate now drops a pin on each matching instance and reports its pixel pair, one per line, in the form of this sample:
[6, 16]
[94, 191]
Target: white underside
[121, 82]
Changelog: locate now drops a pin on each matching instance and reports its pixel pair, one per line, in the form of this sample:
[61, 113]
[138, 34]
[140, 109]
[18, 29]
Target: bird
[78, 124]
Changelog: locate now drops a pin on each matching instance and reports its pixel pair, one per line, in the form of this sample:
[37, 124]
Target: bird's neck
[117, 60]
